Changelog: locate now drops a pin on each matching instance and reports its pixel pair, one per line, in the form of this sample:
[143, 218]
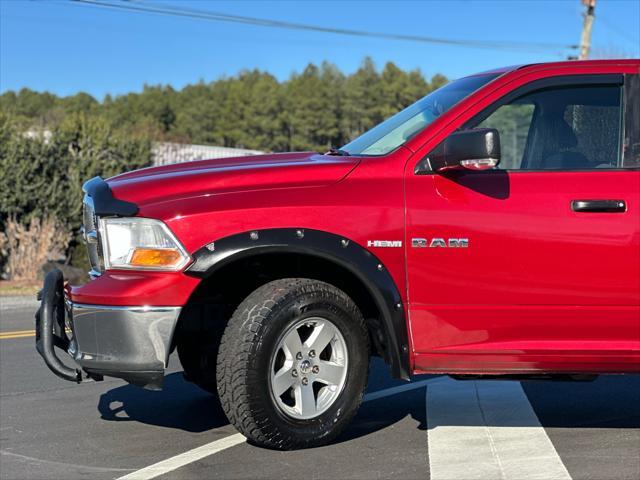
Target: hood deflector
[104, 203]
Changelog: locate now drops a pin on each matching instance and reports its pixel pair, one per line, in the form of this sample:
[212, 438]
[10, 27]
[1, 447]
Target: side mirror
[476, 149]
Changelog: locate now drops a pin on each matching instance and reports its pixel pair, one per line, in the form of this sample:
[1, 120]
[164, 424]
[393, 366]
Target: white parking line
[185, 458]
[487, 430]
[212, 448]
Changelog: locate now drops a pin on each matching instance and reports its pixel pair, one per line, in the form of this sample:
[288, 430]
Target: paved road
[443, 429]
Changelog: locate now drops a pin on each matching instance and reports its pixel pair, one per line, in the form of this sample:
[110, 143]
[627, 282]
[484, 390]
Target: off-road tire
[244, 362]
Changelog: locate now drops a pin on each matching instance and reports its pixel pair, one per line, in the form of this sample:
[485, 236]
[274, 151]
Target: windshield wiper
[338, 152]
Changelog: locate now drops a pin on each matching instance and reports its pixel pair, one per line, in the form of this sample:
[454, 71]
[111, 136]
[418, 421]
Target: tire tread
[238, 345]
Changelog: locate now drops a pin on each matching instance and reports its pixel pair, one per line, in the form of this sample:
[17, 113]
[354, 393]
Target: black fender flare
[335, 248]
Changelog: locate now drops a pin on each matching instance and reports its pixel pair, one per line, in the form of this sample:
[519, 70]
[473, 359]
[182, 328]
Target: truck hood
[224, 175]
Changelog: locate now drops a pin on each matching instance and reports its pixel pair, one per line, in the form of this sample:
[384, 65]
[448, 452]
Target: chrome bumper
[132, 343]
[127, 342]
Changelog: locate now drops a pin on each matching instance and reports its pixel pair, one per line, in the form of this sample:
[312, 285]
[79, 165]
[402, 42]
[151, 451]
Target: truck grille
[92, 237]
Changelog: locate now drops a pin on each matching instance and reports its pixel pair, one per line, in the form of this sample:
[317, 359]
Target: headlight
[140, 243]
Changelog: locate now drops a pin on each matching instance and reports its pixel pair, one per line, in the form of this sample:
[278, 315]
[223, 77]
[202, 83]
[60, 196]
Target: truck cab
[490, 229]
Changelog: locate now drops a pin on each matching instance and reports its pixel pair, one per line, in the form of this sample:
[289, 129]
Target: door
[535, 265]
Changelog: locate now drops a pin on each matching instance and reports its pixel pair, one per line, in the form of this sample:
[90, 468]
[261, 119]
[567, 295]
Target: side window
[632, 122]
[513, 122]
[597, 131]
[561, 128]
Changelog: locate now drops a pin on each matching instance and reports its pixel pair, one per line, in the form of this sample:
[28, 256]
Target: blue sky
[64, 48]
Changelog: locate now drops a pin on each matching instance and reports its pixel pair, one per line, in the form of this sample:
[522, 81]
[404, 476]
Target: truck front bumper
[132, 343]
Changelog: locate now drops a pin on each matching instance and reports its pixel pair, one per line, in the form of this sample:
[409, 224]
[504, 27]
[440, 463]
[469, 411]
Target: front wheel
[293, 363]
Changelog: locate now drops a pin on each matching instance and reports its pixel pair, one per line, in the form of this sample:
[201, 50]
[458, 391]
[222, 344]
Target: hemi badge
[384, 243]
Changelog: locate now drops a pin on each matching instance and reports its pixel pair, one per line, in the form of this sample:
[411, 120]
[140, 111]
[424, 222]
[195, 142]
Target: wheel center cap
[305, 366]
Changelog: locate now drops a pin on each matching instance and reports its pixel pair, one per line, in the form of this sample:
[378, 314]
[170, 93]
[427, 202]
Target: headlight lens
[141, 243]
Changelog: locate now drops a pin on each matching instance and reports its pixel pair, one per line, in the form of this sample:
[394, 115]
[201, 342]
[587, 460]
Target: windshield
[399, 128]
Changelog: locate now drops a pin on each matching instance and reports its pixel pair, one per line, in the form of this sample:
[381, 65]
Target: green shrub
[42, 175]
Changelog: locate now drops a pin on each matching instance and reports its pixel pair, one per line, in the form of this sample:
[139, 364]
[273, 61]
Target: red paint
[128, 288]
[540, 288]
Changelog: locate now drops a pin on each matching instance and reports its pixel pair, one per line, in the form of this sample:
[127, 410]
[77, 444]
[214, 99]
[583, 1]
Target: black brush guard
[51, 329]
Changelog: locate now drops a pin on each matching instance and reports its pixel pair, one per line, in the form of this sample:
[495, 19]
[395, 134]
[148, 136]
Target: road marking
[487, 430]
[185, 458]
[212, 448]
[21, 334]
[17, 334]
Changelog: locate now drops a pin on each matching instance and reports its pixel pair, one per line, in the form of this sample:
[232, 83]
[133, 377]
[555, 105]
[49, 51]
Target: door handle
[599, 206]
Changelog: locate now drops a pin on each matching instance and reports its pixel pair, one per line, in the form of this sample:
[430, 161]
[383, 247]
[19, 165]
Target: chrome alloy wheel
[308, 368]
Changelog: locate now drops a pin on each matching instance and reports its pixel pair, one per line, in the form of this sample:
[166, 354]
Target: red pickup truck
[490, 229]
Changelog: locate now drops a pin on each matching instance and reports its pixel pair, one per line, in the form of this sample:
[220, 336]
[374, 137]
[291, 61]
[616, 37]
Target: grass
[10, 288]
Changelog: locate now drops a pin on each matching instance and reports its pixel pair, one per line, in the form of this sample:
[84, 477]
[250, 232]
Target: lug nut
[294, 372]
[312, 353]
[299, 356]
[315, 369]
[305, 381]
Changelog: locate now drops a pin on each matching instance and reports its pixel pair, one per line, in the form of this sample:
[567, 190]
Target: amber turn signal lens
[155, 257]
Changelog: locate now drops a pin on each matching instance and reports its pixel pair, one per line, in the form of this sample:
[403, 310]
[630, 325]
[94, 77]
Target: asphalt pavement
[438, 428]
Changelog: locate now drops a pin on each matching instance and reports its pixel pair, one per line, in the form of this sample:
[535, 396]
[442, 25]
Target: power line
[617, 30]
[224, 17]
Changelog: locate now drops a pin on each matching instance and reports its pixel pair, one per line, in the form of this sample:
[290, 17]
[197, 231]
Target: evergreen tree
[361, 109]
[316, 109]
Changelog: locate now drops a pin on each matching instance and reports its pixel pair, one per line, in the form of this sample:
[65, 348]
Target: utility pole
[585, 39]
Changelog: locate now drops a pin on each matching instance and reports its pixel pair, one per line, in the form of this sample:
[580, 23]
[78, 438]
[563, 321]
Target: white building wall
[166, 152]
